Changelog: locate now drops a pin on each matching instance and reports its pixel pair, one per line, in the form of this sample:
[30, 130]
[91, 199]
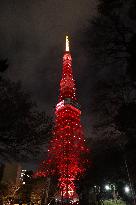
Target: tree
[23, 130]
[110, 38]
[109, 42]
[122, 17]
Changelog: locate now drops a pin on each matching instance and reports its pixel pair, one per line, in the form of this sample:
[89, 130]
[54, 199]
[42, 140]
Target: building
[11, 173]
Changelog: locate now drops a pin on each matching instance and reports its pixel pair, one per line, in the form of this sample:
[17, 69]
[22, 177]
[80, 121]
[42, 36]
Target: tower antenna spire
[67, 44]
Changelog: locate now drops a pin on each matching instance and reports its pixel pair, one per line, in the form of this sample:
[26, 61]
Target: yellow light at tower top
[67, 44]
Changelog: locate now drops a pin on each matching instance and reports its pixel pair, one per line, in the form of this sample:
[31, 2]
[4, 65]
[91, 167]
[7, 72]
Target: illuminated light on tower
[67, 44]
[66, 151]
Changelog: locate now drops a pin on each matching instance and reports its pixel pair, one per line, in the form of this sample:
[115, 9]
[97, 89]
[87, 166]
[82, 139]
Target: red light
[66, 149]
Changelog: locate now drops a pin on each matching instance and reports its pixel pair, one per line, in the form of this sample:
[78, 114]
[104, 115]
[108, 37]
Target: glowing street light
[126, 189]
[107, 187]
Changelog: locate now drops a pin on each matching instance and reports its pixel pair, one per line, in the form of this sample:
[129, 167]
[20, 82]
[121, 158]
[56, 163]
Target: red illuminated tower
[66, 152]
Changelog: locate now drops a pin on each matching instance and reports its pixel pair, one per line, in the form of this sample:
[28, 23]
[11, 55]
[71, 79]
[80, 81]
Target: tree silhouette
[109, 42]
[23, 130]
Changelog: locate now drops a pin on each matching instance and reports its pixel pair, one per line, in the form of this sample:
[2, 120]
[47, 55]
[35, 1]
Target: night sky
[32, 37]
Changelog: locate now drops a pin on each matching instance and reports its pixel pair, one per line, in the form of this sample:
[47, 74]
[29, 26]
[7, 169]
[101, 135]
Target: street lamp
[112, 189]
[127, 189]
[107, 187]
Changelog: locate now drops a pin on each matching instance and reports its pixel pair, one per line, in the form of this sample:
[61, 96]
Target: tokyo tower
[67, 150]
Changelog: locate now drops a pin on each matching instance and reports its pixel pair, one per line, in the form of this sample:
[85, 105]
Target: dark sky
[32, 35]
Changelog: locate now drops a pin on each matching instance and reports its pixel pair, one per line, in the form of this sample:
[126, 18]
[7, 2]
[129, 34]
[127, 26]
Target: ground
[109, 202]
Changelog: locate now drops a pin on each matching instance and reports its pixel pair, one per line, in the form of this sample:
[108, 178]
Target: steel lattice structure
[67, 149]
